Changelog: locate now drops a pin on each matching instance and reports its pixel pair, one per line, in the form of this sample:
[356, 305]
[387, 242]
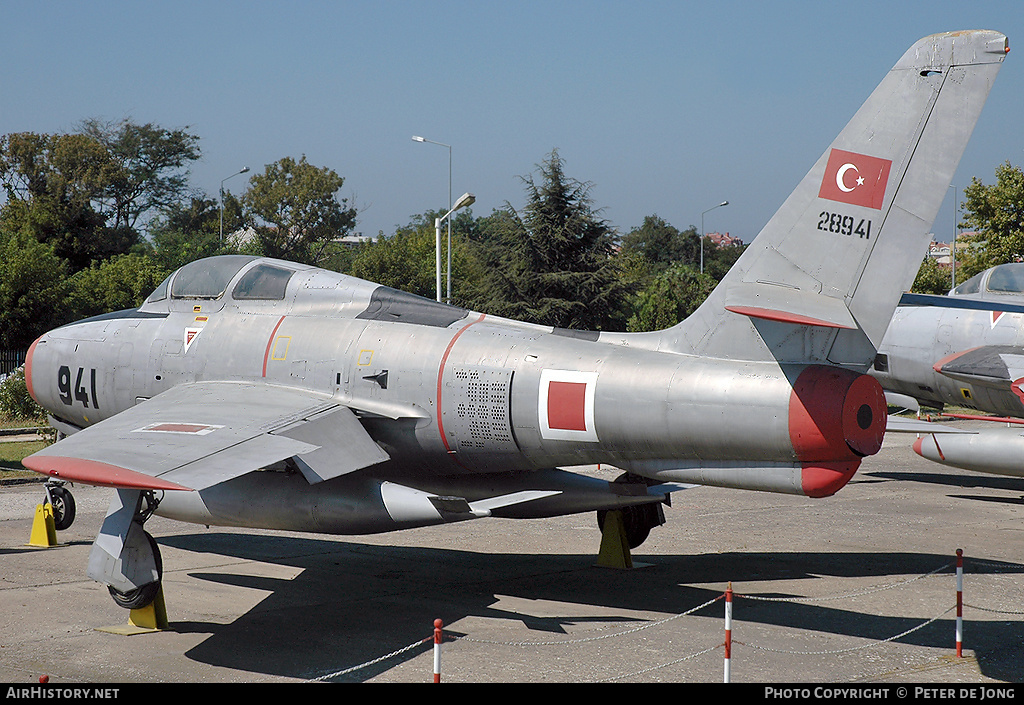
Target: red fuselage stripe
[270, 344]
[440, 377]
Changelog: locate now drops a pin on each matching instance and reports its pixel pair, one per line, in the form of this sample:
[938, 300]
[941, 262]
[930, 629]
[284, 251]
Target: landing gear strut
[124, 556]
[638, 519]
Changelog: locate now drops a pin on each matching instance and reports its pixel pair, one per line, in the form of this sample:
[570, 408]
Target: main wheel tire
[141, 596]
[635, 521]
[63, 507]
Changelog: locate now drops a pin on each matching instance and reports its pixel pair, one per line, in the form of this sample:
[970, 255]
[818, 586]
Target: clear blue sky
[666, 107]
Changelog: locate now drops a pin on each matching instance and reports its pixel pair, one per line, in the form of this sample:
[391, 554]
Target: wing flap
[338, 445]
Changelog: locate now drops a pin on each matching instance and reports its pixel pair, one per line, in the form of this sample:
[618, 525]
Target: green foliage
[148, 167]
[407, 259]
[189, 231]
[932, 278]
[662, 244]
[996, 214]
[54, 187]
[669, 298]
[119, 283]
[32, 290]
[553, 262]
[15, 401]
[295, 210]
[403, 261]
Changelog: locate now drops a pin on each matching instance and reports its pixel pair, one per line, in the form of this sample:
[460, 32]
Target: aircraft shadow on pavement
[354, 602]
[964, 482]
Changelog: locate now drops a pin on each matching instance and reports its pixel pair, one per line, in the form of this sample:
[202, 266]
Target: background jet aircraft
[261, 393]
[965, 349]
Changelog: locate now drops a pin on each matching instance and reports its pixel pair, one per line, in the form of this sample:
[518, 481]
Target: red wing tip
[92, 472]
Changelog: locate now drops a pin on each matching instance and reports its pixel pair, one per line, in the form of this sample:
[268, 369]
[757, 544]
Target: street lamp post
[723, 203]
[952, 250]
[241, 171]
[465, 199]
[417, 138]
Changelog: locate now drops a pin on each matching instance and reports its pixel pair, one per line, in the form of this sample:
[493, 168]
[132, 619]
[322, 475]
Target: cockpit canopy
[1001, 280]
[208, 279]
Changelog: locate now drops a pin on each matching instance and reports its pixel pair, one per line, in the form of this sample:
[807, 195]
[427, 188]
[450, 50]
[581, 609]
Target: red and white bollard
[728, 632]
[437, 650]
[959, 602]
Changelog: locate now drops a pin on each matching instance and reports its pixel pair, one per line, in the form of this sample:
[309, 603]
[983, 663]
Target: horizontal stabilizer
[779, 303]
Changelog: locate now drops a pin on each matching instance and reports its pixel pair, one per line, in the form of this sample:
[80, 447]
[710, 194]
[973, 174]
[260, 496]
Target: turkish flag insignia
[856, 179]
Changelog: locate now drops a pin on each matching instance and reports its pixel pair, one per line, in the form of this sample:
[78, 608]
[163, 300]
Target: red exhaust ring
[836, 417]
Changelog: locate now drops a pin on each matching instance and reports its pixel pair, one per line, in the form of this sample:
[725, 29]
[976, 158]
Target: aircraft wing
[197, 435]
[988, 365]
[898, 424]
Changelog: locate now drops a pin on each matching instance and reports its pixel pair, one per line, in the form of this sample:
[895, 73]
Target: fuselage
[448, 391]
[965, 349]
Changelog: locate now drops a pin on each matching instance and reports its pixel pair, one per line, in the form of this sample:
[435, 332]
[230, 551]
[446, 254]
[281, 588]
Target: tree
[151, 167]
[996, 214]
[662, 244]
[294, 209]
[932, 278]
[116, 284]
[54, 184]
[554, 260]
[32, 290]
[191, 231]
[669, 298]
[406, 260]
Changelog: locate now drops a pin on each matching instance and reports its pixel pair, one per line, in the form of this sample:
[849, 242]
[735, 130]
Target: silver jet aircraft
[965, 349]
[260, 393]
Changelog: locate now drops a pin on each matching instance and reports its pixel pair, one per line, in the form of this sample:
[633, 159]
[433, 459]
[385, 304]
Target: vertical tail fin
[822, 279]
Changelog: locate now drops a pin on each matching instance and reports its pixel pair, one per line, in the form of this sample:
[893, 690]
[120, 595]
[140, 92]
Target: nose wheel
[63, 504]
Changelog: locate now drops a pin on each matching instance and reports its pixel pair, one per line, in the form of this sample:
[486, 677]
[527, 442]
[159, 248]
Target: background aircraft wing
[197, 435]
[992, 365]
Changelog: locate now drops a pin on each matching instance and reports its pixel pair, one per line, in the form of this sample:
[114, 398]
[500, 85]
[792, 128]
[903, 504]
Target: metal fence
[10, 360]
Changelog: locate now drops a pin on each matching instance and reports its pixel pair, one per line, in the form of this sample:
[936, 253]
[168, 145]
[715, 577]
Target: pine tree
[553, 263]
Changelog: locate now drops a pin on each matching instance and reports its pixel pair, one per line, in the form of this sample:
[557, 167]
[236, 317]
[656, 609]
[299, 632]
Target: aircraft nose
[28, 368]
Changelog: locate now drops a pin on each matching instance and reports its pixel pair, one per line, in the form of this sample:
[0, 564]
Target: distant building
[721, 240]
[941, 251]
[353, 240]
[244, 236]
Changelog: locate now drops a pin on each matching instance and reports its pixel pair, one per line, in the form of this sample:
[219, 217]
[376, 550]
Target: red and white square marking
[192, 429]
[566, 405]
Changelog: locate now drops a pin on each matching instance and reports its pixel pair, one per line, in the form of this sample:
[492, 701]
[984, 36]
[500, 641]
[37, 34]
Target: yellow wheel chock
[144, 620]
[44, 532]
[614, 545]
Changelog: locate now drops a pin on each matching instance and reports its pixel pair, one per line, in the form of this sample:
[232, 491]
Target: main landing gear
[124, 556]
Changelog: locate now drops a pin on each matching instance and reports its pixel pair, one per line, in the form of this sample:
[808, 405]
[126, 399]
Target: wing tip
[92, 472]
